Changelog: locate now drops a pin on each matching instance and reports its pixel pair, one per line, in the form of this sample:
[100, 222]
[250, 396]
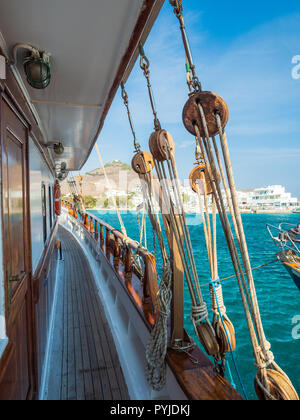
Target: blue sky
[244, 53]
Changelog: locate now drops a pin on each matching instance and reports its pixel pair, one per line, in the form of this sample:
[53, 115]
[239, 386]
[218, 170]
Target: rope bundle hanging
[200, 183]
[162, 147]
[142, 164]
[205, 115]
[158, 343]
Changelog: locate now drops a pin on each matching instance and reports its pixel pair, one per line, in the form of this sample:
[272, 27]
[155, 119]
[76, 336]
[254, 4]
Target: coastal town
[117, 184]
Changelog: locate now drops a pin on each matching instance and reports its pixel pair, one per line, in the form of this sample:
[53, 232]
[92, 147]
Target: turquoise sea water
[279, 299]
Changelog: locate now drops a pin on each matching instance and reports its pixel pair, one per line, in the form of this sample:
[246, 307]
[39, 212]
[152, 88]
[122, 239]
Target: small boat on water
[297, 210]
[288, 240]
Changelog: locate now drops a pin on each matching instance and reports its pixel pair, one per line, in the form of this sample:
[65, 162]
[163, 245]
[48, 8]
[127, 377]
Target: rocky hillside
[121, 177]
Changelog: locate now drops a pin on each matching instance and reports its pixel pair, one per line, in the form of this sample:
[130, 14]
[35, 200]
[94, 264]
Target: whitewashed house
[273, 196]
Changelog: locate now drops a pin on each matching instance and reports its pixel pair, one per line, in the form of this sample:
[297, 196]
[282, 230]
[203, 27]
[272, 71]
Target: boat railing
[193, 372]
[283, 237]
[135, 265]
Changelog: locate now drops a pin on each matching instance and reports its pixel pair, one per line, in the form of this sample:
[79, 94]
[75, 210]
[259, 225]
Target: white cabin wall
[39, 172]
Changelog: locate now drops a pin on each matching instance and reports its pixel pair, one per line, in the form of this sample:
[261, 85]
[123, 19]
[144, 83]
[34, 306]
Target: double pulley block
[200, 179]
[142, 163]
[225, 334]
[219, 340]
[212, 104]
[161, 144]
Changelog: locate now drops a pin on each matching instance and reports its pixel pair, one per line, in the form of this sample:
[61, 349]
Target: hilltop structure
[122, 180]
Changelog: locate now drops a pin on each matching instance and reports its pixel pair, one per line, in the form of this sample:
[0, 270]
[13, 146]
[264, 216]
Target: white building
[245, 198]
[266, 198]
[273, 196]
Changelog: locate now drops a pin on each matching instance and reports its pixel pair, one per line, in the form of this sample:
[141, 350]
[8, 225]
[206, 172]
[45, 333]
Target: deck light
[58, 148]
[37, 69]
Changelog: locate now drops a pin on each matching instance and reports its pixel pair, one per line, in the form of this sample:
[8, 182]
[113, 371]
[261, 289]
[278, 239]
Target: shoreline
[273, 211]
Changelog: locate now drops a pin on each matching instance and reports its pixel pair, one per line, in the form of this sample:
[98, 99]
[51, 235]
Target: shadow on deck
[83, 361]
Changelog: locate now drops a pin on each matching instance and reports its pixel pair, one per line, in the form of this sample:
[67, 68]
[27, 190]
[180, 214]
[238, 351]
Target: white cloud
[186, 144]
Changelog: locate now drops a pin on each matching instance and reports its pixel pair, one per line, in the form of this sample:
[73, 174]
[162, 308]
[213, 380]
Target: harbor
[124, 186]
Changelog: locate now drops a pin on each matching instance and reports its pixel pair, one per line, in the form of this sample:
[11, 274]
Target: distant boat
[289, 241]
[297, 210]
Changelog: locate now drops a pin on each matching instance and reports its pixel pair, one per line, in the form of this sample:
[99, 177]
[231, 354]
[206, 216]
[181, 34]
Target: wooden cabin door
[16, 375]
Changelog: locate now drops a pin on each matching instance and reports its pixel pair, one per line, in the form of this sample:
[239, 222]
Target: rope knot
[199, 313]
[216, 292]
[265, 355]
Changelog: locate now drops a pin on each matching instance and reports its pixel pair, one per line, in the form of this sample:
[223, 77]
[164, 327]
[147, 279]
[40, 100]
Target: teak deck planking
[198, 379]
[84, 363]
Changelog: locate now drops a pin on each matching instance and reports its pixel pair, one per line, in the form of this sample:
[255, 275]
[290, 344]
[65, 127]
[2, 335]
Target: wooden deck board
[84, 351]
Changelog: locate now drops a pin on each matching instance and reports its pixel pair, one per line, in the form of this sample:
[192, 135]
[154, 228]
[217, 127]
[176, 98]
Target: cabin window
[50, 206]
[44, 212]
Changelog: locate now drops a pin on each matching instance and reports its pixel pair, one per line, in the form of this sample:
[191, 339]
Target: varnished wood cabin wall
[21, 364]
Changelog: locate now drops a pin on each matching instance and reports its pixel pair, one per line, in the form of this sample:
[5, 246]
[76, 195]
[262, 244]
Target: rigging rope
[162, 148]
[234, 275]
[222, 311]
[224, 333]
[205, 116]
[157, 345]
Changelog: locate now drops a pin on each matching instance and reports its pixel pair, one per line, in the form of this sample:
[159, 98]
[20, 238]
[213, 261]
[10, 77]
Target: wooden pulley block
[211, 104]
[207, 338]
[222, 336]
[279, 387]
[200, 175]
[142, 163]
[160, 143]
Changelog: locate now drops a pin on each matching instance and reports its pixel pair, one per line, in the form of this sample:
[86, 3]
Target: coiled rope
[158, 343]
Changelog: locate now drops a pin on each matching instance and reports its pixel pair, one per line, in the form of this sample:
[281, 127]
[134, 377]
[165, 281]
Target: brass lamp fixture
[57, 147]
[37, 70]
[36, 65]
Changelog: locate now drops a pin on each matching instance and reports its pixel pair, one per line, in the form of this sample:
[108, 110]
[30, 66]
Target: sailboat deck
[84, 363]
